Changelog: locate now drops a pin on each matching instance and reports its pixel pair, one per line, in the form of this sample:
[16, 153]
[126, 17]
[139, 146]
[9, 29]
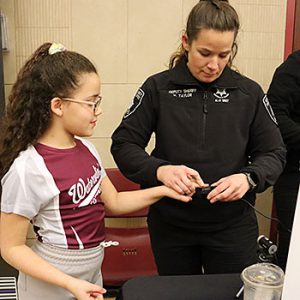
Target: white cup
[262, 281]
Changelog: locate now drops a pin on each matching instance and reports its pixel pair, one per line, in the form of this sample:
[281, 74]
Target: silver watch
[250, 181]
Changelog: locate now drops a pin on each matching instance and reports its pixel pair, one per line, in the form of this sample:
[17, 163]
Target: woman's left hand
[229, 188]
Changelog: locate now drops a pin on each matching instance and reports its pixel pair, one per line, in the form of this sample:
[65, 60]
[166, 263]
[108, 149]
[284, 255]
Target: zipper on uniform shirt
[205, 112]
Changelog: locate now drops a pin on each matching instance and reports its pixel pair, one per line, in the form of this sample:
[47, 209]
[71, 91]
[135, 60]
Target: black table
[196, 287]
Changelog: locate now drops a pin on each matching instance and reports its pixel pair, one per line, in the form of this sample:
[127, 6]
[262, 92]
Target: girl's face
[79, 118]
[209, 53]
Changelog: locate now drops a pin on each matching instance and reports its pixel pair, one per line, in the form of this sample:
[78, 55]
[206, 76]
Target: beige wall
[129, 40]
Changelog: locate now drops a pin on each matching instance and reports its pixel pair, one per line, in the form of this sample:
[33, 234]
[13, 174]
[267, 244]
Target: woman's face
[209, 53]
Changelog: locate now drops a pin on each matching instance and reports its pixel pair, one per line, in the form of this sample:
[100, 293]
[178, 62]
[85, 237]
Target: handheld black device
[206, 190]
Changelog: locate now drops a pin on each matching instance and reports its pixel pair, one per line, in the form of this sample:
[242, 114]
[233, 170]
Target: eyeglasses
[94, 104]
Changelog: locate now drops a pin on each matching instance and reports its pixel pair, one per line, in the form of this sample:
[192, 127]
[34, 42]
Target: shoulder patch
[269, 109]
[137, 100]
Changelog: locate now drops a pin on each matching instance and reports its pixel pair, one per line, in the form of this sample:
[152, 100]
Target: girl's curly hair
[42, 78]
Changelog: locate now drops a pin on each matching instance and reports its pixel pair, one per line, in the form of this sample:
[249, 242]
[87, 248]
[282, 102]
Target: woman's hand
[84, 290]
[230, 188]
[181, 179]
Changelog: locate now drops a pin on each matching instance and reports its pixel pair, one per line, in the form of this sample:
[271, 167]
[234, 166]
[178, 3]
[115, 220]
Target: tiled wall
[129, 40]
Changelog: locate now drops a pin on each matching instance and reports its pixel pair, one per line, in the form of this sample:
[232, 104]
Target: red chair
[128, 251]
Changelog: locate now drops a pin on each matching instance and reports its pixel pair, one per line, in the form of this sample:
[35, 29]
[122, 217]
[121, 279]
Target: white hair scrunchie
[56, 47]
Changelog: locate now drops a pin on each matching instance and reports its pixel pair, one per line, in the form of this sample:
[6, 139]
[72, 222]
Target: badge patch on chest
[137, 100]
[269, 109]
[221, 96]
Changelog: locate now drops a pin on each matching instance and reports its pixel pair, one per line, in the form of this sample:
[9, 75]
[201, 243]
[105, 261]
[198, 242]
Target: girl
[54, 179]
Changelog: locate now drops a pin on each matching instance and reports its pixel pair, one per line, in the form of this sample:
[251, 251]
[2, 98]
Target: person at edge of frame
[284, 96]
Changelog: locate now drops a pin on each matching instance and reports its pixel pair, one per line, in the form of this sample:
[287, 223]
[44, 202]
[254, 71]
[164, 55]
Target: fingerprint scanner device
[205, 190]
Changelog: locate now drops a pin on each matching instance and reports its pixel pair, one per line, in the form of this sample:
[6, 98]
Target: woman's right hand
[180, 178]
[84, 290]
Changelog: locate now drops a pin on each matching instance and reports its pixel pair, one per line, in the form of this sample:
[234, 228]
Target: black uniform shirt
[212, 128]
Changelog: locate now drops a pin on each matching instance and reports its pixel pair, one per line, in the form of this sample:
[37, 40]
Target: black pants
[285, 196]
[179, 251]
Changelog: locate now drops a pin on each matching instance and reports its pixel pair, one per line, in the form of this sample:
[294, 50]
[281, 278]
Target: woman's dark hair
[42, 78]
[218, 15]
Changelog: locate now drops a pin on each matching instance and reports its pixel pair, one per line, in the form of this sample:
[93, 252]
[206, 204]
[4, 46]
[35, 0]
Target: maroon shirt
[77, 174]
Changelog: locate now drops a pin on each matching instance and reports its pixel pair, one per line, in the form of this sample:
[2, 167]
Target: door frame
[296, 44]
[292, 27]
[2, 94]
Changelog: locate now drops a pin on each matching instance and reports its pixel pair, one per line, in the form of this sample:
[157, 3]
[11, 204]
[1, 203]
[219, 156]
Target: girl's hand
[181, 179]
[170, 193]
[84, 290]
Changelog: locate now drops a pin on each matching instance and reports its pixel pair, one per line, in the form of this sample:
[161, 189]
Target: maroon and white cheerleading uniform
[59, 191]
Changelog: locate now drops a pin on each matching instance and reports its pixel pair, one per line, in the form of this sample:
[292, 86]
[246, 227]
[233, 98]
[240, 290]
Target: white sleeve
[27, 186]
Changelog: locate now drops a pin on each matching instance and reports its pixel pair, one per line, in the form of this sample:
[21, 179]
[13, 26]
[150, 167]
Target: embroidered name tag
[184, 93]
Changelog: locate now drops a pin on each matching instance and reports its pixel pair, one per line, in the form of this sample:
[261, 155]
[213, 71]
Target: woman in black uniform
[209, 118]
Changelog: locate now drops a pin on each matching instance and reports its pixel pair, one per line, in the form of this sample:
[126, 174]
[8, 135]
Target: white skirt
[84, 264]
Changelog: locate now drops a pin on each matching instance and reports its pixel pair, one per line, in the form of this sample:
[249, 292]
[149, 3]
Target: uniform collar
[181, 75]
